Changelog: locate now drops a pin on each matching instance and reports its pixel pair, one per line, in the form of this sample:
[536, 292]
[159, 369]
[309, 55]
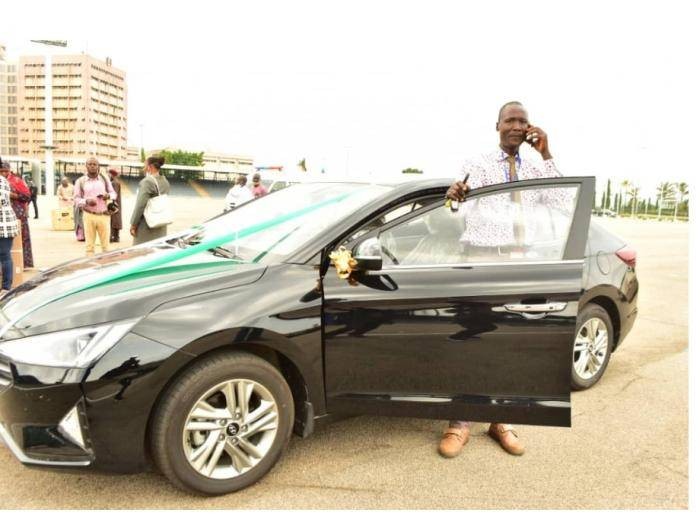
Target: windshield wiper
[225, 253]
[216, 250]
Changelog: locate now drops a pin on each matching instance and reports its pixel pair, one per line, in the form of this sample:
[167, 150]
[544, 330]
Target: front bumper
[113, 400]
[31, 413]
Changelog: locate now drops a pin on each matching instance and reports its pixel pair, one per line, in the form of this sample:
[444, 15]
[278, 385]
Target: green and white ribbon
[184, 253]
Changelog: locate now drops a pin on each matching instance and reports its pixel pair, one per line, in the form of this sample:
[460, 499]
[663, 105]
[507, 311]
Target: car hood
[117, 285]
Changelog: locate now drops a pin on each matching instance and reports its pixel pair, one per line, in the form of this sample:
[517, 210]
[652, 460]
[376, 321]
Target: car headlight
[77, 348]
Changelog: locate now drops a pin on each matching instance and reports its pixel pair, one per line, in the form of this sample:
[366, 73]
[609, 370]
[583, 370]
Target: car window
[528, 224]
[388, 216]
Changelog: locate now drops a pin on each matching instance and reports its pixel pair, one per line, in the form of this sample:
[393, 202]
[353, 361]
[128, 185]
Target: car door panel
[450, 346]
[458, 341]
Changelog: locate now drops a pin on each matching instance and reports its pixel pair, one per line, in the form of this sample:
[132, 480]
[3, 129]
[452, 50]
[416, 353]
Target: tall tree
[665, 192]
[683, 197]
[608, 197]
[182, 157]
[625, 185]
[617, 200]
[186, 158]
[411, 171]
[634, 193]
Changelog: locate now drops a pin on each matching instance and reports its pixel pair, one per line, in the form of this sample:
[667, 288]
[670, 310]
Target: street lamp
[48, 112]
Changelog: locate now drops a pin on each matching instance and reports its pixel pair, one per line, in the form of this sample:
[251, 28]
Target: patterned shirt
[8, 219]
[490, 220]
[89, 188]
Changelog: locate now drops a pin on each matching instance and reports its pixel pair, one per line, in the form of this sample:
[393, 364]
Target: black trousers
[36, 210]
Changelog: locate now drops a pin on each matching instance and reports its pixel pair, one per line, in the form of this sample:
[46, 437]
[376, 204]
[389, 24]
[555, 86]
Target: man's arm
[78, 194]
[459, 189]
[110, 190]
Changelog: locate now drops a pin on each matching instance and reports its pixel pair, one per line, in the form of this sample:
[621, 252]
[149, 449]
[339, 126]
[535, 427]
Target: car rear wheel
[222, 424]
[592, 346]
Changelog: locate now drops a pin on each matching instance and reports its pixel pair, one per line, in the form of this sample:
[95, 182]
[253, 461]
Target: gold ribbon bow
[343, 262]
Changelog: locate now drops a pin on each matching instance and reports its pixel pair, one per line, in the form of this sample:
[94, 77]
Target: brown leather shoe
[507, 438]
[453, 440]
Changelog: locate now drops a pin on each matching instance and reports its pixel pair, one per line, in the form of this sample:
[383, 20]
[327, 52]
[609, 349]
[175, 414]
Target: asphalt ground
[627, 448]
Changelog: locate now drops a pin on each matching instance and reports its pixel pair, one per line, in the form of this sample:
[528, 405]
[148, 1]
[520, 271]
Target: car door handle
[535, 308]
[531, 311]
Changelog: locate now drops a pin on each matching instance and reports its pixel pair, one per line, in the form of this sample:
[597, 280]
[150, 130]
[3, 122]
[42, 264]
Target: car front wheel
[592, 347]
[222, 424]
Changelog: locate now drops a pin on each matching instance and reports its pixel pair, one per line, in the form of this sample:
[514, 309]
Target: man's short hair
[511, 103]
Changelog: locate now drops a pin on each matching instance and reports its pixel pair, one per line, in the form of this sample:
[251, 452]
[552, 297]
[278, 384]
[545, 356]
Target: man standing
[33, 191]
[115, 217]
[92, 193]
[503, 165]
[65, 193]
[238, 194]
[258, 188]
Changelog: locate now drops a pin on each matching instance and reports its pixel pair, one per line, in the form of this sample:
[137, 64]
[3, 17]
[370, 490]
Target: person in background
[238, 194]
[150, 186]
[65, 193]
[258, 188]
[78, 217]
[33, 191]
[8, 228]
[116, 219]
[92, 193]
[19, 198]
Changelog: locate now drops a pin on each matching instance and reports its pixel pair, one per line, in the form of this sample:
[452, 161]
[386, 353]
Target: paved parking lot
[628, 447]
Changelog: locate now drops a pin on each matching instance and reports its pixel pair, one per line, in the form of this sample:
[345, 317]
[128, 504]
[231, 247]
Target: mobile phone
[454, 205]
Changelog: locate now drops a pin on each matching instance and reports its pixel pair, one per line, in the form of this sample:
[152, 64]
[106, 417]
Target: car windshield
[277, 225]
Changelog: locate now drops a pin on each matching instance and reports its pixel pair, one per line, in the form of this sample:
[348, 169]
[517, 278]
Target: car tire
[209, 384]
[585, 369]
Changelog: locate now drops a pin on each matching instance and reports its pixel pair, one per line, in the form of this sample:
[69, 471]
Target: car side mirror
[368, 255]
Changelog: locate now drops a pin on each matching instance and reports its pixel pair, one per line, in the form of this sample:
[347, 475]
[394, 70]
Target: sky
[371, 88]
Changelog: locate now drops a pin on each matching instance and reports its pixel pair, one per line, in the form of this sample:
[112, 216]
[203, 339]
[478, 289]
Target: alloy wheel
[230, 429]
[590, 348]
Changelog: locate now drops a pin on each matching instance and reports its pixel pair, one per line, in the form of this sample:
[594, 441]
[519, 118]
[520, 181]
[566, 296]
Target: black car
[201, 352]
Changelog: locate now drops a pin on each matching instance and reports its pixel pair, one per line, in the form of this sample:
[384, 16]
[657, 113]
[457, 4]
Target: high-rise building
[89, 107]
[8, 105]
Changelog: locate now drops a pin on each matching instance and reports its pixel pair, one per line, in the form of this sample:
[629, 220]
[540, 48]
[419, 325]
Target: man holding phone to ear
[501, 166]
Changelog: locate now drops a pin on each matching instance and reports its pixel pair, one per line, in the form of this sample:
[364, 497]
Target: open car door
[475, 319]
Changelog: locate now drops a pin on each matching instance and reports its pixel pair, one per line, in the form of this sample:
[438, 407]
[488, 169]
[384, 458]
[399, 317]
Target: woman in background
[20, 197]
[150, 186]
[8, 228]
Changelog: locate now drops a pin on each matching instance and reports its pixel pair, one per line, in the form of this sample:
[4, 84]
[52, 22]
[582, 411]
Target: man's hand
[133, 230]
[91, 202]
[539, 141]
[458, 191]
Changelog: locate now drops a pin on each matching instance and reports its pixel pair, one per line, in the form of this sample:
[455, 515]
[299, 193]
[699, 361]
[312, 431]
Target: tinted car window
[528, 224]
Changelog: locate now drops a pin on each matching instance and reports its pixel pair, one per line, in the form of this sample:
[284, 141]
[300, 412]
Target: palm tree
[634, 192]
[682, 194]
[665, 192]
[625, 185]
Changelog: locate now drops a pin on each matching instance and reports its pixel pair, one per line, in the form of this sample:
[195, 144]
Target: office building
[8, 105]
[89, 99]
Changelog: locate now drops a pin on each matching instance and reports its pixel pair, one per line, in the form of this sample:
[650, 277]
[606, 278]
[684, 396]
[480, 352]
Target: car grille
[5, 375]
